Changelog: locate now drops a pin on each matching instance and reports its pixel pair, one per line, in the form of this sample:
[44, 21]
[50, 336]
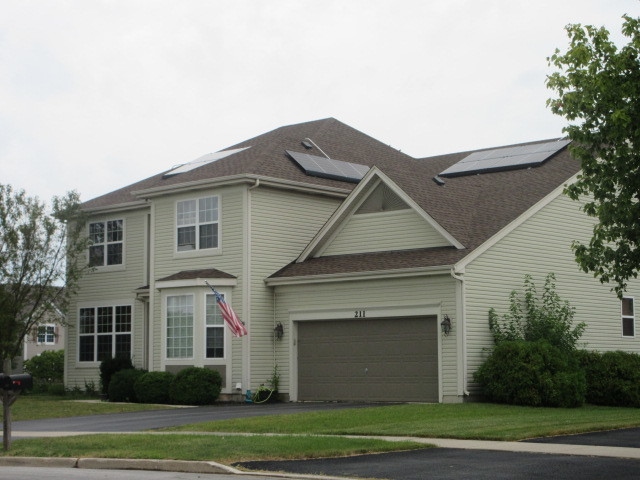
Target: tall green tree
[597, 89]
[42, 258]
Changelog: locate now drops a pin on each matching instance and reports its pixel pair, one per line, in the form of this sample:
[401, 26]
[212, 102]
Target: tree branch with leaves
[597, 88]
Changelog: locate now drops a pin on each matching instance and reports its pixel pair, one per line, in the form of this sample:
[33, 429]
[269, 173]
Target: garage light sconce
[445, 325]
[278, 331]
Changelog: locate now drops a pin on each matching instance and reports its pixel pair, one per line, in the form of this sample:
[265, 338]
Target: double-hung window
[46, 334]
[104, 332]
[628, 318]
[197, 224]
[214, 329]
[180, 326]
[107, 240]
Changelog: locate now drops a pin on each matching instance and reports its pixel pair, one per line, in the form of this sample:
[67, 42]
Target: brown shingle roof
[267, 158]
[193, 274]
[471, 208]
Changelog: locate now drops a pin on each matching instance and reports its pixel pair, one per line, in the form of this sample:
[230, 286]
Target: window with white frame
[197, 224]
[107, 239]
[104, 332]
[628, 317]
[180, 326]
[46, 334]
[214, 325]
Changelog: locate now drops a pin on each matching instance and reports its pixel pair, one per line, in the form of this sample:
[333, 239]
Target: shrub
[47, 369]
[533, 374]
[195, 386]
[613, 378]
[109, 366]
[153, 387]
[531, 318]
[121, 385]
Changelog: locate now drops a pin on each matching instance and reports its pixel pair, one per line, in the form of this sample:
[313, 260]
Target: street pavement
[614, 454]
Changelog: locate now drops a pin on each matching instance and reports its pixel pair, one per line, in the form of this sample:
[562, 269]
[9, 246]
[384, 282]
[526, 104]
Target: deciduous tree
[597, 90]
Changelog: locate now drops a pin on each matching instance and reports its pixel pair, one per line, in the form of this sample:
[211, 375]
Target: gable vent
[382, 199]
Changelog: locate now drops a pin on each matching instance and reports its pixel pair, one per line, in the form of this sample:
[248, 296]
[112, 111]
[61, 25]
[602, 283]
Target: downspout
[462, 325]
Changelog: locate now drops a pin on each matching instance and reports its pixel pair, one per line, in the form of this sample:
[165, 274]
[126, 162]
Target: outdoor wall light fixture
[445, 325]
[278, 331]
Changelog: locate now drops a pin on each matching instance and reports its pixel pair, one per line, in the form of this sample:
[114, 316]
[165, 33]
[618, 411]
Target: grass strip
[36, 407]
[463, 421]
[224, 449]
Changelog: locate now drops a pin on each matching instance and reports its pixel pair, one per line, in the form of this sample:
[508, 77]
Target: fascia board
[355, 276]
[239, 179]
[490, 242]
[119, 207]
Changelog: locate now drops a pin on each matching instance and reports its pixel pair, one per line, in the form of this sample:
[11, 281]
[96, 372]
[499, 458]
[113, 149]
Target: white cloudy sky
[95, 95]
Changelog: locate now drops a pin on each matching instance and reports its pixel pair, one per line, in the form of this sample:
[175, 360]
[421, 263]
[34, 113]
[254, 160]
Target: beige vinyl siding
[282, 224]
[438, 291]
[104, 287]
[542, 244]
[384, 231]
[228, 258]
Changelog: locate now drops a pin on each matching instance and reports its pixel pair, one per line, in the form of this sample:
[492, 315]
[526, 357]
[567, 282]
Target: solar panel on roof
[508, 158]
[329, 168]
[201, 161]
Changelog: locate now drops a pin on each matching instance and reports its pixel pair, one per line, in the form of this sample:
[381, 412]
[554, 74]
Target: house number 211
[360, 314]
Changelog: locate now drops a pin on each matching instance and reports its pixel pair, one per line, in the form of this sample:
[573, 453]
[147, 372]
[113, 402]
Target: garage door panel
[368, 360]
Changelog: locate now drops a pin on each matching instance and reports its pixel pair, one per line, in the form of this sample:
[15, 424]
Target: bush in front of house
[613, 378]
[121, 386]
[47, 370]
[195, 386]
[153, 387]
[532, 374]
[109, 366]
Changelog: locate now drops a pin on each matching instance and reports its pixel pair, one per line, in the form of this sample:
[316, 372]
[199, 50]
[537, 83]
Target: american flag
[231, 319]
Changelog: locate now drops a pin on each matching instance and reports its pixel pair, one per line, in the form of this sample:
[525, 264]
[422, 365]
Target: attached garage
[373, 360]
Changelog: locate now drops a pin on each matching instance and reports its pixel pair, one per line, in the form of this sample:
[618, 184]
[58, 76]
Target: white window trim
[194, 320]
[197, 252]
[110, 268]
[117, 303]
[46, 326]
[226, 345]
[632, 317]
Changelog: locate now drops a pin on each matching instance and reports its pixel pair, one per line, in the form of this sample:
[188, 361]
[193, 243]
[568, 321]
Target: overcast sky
[95, 95]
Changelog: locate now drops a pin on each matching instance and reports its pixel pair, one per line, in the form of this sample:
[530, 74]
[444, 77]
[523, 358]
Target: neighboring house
[49, 335]
[362, 259]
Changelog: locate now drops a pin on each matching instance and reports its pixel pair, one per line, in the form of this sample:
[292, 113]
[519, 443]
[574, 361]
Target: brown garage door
[368, 360]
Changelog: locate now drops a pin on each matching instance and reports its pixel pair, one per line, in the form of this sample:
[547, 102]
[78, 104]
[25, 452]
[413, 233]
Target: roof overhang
[356, 276]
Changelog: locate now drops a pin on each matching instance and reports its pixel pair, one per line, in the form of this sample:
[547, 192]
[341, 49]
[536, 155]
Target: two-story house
[360, 272]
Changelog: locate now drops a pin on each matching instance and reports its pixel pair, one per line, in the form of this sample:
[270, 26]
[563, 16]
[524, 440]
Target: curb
[182, 466]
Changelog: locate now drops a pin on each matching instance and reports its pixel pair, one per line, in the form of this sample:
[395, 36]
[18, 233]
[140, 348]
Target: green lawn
[465, 421]
[302, 435]
[35, 407]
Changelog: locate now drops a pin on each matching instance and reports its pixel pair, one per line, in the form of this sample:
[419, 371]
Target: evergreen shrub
[153, 387]
[613, 378]
[121, 386]
[109, 366]
[195, 386]
[532, 374]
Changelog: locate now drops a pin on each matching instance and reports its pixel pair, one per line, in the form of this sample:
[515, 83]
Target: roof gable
[375, 190]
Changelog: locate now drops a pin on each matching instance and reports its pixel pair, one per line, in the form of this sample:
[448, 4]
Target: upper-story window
[107, 239]
[197, 224]
[628, 318]
[46, 334]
